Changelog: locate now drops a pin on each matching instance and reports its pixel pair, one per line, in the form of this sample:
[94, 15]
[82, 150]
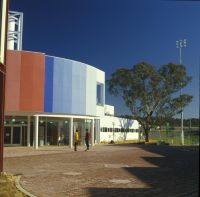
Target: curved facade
[41, 83]
[71, 87]
[48, 98]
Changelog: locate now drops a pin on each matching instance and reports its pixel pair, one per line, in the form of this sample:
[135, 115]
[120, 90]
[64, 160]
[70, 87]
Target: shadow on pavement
[176, 174]
[118, 192]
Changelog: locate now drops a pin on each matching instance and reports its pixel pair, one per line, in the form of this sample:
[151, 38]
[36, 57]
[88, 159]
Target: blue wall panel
[70, 87]
[48, 95]
[62, 86]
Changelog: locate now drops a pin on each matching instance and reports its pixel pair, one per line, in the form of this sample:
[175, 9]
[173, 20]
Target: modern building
[47, 98]
[118, 129]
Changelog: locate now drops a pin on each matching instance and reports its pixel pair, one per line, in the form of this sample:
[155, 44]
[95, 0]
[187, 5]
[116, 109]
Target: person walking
[87, 139]
[76, 138]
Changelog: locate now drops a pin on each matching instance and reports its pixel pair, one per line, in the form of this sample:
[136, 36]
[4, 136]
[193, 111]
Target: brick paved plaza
[106, 170]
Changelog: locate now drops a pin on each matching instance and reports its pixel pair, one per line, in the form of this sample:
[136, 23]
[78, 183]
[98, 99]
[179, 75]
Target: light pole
[181, 44]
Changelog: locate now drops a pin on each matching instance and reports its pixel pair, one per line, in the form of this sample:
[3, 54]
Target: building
[118, 129]
[47, 98]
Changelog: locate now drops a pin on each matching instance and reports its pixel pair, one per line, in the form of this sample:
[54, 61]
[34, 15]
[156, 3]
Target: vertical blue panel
[62, 86]
[48, 96]
[78, 88]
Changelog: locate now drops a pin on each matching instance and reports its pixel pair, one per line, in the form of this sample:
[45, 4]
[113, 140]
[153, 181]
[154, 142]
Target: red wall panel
[25, 81]
[13, 70]
[32, 82]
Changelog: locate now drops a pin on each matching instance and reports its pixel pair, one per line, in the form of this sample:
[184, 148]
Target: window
[100, 94]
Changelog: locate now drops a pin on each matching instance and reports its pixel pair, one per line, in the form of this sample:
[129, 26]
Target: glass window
[100, 94]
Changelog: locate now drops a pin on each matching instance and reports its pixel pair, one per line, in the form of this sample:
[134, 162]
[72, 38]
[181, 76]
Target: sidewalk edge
[17, 183]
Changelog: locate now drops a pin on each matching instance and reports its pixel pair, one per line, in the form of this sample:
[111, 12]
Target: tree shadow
[176, 174]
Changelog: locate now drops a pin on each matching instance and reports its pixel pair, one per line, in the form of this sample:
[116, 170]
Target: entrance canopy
[49, 129]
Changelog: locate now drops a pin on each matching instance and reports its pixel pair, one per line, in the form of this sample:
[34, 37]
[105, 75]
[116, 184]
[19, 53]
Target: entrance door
[16, 135]
[12, 135]
[7, 135]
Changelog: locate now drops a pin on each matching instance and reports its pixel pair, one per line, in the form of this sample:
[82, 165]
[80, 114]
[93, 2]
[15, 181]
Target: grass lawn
[7, 186]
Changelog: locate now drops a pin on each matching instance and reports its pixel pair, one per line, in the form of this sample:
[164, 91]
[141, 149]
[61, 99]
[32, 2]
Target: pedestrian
[59, 140]
[76, 138]
[87, 139]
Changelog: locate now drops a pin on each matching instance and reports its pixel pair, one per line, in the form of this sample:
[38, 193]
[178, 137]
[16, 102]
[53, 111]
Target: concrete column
[98, 130]
[83, 132]
[28, 130]
[45, 137]
[99, 134]
[60, 124]
[36, 132]
[71, 141]
[92, 133]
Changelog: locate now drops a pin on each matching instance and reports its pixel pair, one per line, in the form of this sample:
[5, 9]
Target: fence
[173, 136]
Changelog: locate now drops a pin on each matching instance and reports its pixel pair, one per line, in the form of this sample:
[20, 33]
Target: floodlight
[180, 44]
[177, 44]
[184, 42]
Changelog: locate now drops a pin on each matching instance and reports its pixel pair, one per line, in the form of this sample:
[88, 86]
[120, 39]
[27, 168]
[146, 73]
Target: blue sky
[109, 34]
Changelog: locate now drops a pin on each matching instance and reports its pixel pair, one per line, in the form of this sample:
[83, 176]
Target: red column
[3, 48]
[2, 99]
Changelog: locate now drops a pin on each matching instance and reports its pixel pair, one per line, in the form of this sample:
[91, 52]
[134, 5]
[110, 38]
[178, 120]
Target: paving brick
[144, 170]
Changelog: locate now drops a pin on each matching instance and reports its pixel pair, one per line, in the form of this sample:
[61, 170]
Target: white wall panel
[118, 136]
[111, 121]
[91, 74]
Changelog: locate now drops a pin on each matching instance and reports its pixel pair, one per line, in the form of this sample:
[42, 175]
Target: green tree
[152, 95]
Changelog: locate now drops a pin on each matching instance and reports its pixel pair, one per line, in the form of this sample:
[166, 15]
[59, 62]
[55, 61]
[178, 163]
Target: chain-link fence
[173, 136]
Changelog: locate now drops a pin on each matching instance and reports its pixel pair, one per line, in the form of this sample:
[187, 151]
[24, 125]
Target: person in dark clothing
[87, 139]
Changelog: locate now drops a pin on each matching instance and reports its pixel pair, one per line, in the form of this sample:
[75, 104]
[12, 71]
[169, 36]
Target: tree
[152, 95]
[125, 122]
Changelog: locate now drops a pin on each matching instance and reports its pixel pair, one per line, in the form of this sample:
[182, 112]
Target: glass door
[16, 138]
[12, 135]
[7, 135]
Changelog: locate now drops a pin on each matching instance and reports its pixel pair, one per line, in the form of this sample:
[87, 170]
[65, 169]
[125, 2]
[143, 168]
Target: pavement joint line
[120, 181]
[19, 187]
[116, 166]
[72, 173]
